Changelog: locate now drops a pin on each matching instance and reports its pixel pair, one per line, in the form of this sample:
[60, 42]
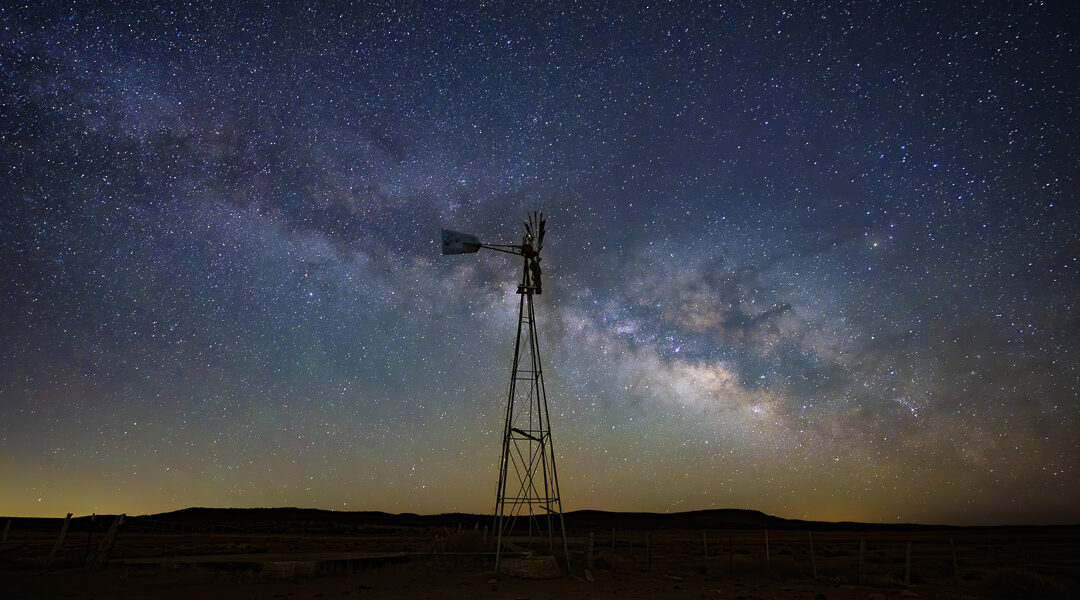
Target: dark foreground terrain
[293, 554]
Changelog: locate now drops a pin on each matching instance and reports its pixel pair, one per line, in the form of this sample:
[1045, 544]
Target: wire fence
[868, 557]
[871, 556]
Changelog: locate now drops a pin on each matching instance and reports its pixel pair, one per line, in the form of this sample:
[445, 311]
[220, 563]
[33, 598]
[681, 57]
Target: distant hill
[314, 520]
[582, 519]
[311, 520]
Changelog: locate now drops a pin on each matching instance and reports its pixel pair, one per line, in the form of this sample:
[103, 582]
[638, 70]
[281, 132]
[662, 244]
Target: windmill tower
[528, 507]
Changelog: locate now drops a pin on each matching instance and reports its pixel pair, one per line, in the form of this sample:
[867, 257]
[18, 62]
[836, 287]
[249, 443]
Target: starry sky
[819, 261]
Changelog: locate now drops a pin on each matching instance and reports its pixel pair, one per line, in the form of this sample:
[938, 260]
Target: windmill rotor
[531, 245]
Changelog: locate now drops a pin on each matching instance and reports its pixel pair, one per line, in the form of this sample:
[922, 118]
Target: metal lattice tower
[528, 506]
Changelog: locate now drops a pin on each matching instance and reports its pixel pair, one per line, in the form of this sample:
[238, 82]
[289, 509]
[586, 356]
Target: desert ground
[278, 554]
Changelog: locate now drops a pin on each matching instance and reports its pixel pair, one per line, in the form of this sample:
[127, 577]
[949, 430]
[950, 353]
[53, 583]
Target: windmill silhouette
[528, 508]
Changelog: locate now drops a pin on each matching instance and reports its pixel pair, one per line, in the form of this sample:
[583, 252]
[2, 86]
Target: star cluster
[816, 260]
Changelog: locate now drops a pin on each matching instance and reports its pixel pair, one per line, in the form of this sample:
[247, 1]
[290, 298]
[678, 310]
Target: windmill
[528, 508]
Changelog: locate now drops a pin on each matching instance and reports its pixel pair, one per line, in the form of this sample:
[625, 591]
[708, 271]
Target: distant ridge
[729, 518]
[314, 520]
[723, 518]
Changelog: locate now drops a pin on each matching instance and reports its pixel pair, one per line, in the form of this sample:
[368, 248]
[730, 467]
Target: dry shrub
[464, 541]
[887, 579]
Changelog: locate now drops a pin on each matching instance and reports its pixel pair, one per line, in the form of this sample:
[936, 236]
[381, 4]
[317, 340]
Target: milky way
[820, 262]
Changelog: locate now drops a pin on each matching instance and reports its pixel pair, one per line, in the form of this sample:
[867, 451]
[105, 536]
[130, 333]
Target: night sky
[817, 261]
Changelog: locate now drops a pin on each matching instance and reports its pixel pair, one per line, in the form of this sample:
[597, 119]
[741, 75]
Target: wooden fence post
[89, 539]
[613, 567]
[862, 550]
[955, 565]
[813, 561]
[705, 544]
[731, 556]
[907, 566]
[7, 530]
[101, 558]
[648, 551]
[59, 540]
[768, 561]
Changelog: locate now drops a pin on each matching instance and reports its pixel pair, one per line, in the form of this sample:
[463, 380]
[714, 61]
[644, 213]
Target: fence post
[613, 567]
[59, 540]
[104, 551]
[955, 565]
[862, 550]
[813, 561]
[705, 544]
[907, 566]
[768, 561]
[7, 529]
[89, 538]
[731, 556]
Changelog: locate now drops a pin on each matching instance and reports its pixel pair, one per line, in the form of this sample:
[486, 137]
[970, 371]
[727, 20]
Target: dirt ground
[413, 563]
[426, 581]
